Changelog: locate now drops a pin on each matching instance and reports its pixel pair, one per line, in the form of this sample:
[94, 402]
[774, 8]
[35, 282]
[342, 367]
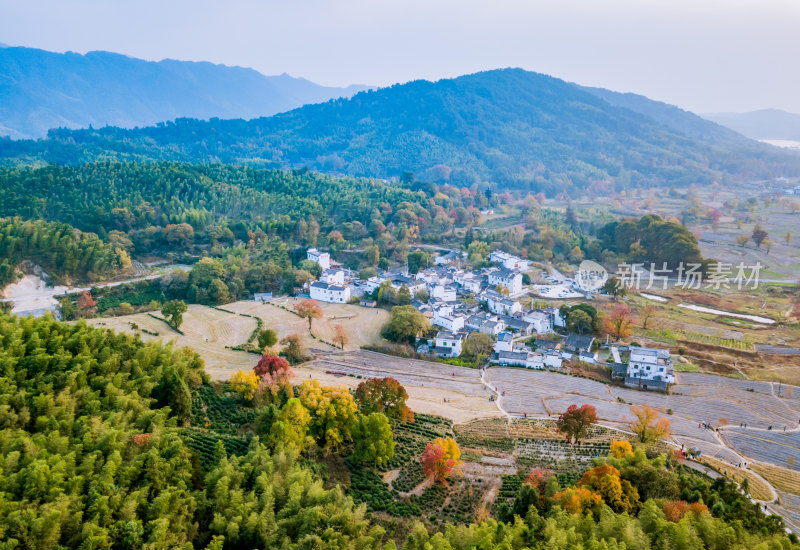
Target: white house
[468, 281]
[509, 261]
[505, 342]
[322, 258]
[451, 322]
[512, 280]
[447, 259]
[649, 365]
[324, 292]
[446, 293]
[541, 321]
[333, 276]
[552, 359]
[502, 305]
[448, 344]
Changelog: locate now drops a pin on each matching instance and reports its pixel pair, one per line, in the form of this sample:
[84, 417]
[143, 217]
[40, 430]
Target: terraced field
[774, 447]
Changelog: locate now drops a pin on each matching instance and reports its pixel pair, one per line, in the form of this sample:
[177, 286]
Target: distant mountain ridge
[763, 124]
[509, 128]
[40, 90]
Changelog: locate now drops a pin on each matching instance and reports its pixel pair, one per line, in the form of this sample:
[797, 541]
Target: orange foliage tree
[648, 426]
[575, 421]
[384, 395]
[619, 324]
[340, 336]
[308, 309]
[577, 500]
[85, 300]
[441, 459]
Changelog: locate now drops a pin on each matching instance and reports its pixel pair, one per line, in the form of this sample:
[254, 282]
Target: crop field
[759, 490]
[789, 508]
[774, 447]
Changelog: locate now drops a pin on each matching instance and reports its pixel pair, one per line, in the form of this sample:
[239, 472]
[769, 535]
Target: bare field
[428, 384]
[362, 325]
[207, 331]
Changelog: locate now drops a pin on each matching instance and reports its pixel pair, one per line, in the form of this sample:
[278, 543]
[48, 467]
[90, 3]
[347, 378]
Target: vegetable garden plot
[788, 506]
[696, 383]
[775, 447]
[782, 479]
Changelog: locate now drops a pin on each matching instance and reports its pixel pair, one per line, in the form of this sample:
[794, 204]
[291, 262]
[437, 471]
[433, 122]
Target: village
[459, 302]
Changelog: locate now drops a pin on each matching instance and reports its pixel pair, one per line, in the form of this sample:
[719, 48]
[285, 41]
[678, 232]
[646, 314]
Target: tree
[646, 313]
[267, 338]
[333, 413]
[648, 426]
[272, 365]
[406, 325]
[290, 428]
[417, 260]
[577, 500]
[441, 459]
[294, 351]
[85, 300]
[579, 321]
[173, 312]
[575, 421]
[619, 323]
[477, 347]
[374, 442]
[308, 309]
[614, 288]
[618, 493]
[501, 290]
[621, 448]
[384, 395]
[245, 383]
[742, 240]
[340, 336]
[759, 235]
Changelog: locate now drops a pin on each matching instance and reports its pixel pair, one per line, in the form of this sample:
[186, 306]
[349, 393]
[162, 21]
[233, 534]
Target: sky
[702, 55]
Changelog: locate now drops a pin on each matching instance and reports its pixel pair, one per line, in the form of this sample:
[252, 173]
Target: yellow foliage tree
[621, 449]
[618, 493]
[333, 413]
[245, 383]
[648, 426]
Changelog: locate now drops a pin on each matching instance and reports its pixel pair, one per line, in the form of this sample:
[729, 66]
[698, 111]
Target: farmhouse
[541, 321]
[322, 258]
[448, 344]
[505, 342]
[649, 368]
[512, 280]
[502, 305]
[324, 292]
[509, 261]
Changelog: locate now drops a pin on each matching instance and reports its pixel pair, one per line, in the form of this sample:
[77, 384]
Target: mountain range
[40, 90]
[772, 124]
[509, 128]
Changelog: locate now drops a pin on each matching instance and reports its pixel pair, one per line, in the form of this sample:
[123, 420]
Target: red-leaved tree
[441, 459]
[575, 421]
[384, 395]
[308, 309]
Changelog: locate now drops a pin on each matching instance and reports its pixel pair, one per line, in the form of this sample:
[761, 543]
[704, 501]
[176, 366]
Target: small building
[505, 342]
[450, 322]
[511, 358]
[547, 345]
[517, 324]
[368, 302]
[324, 292]
[509, 261]
[322, 258]
[577, 343]
[446, 293]
[512, 280]
[649, 369]
[552, 359]
[541, 321]
[502, 305]
[448, 344]
[333, 276]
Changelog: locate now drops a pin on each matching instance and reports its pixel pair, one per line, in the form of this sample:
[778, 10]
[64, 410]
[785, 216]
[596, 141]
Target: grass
[782, 479]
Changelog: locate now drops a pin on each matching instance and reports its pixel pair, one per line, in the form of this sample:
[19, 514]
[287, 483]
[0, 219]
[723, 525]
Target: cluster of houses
[493, 309]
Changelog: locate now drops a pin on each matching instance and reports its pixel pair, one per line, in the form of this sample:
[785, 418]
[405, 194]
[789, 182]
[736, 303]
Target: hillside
[40, 90]
[763, 124]
[515, 128]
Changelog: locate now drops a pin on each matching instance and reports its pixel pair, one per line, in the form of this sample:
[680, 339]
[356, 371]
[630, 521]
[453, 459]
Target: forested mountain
[512, 127]
[763, 124]
[40, 90]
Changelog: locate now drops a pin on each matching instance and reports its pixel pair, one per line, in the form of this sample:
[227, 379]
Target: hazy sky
[703, 55]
